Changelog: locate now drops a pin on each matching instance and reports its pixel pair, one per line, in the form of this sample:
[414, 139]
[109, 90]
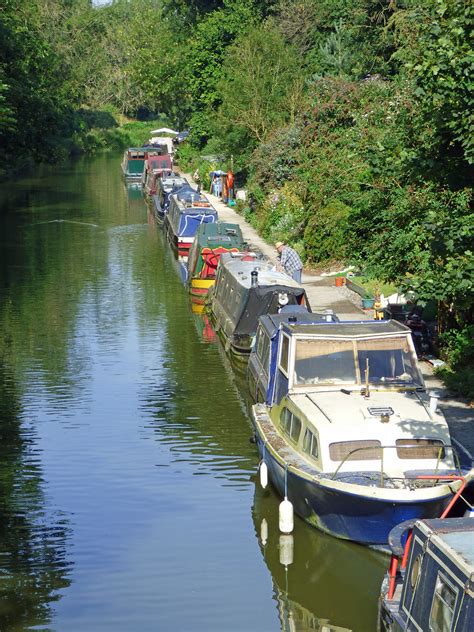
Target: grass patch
[372, 286]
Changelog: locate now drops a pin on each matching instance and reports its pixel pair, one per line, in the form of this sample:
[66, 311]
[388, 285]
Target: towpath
[323, 294]
[321, 291]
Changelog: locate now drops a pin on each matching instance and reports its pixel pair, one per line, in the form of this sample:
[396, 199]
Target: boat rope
[286, 480]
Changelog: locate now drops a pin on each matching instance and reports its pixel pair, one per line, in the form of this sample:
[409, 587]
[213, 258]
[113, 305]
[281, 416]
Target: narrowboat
[259, 370]
[166, 187]
[212, 240]
[248, 286]
[155, 167]
[348, 434]
[187, 210]
[434, 588]
[133, 162]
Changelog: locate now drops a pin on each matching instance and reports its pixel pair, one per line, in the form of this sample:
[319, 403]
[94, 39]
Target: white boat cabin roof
[241, 265]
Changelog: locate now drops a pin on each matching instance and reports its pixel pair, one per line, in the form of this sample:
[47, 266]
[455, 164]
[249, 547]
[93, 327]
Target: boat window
[442, 607]
[310, 444]
[390, 360]
[324, 361]
[361, 450]
[262, 345]
[284, 353]
[290, 424]
[420, 449]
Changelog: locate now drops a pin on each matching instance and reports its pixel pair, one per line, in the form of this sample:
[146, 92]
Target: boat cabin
[246, 288]
[165, 187]
[156, 167]
[436, 590]
[133, 162]
[187, 210]
[212, 240]
[266, 343]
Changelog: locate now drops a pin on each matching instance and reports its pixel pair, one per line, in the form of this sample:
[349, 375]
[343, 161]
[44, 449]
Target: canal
[129, 499]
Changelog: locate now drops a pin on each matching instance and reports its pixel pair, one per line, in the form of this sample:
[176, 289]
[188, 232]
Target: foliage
[458, 351]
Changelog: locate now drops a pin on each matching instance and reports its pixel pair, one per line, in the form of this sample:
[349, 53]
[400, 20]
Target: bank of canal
[128, 496]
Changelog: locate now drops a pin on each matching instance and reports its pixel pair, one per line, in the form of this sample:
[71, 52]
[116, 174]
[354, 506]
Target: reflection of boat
[435, 591]
[188, 209]
[246, 288]
[165, 188]
[266, 344]
[212, 240]
[346, 433]
[202, 323]
[317, 578]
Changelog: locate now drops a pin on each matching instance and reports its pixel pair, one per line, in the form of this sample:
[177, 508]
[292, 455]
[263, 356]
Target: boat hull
[344, 514]
[199, 289]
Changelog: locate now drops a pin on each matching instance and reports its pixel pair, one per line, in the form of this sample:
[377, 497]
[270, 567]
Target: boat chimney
[254, 278]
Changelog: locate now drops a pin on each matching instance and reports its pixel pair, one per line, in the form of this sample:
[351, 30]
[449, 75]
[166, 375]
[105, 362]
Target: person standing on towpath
[290, 261]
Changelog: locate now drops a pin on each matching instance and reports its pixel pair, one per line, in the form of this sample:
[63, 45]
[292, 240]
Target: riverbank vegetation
[349, 122]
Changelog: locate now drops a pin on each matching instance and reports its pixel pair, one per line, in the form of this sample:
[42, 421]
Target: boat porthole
[415, 571]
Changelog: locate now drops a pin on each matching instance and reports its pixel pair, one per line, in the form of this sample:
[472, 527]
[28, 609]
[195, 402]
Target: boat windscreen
[389, 360]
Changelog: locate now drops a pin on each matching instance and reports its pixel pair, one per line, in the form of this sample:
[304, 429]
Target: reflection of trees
[33, 567]
[194, 405]
[329, 580]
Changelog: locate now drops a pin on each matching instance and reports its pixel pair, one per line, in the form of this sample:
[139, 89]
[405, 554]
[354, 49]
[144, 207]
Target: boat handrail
[404, 447]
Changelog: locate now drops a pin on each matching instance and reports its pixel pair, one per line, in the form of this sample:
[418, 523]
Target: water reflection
[320, 582]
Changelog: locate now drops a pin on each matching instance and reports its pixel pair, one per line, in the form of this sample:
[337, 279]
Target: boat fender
[264, 532]
[263, 474]
[285, 514]
[286, 550]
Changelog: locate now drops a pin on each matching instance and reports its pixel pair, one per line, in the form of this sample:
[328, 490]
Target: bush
[457, 349]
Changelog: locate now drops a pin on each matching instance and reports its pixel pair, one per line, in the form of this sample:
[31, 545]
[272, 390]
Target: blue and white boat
[346, 429]
[259, 368]
[187, 210]
[435, 590]
[165, 188]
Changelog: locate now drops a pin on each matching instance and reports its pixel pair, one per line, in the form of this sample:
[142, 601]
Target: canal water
[129, 499]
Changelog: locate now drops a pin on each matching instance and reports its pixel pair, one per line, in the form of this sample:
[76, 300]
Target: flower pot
[368, 303]
[340, 281]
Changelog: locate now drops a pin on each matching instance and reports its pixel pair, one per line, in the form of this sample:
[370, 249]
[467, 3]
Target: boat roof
[272, 322]
[219, 234]
[455, 533]
[347, 329]
[159, 159]
[174, 181]
[240, 266]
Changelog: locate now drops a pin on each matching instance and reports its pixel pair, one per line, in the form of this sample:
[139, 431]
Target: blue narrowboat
[348, 433]
[187, 210]
[435, 588]
[164, 189]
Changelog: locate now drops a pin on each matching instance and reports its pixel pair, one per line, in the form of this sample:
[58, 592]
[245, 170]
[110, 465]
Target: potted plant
[368, 301]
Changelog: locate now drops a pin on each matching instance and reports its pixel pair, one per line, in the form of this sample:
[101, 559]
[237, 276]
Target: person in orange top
[230, 185]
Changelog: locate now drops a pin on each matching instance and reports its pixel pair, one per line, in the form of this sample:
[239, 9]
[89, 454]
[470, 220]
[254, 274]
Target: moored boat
[212, 240]
[187, 210]
[246, 288]
[155, 167]
[433, 589]
[133, 162]
[348, 433]
[165, 188]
